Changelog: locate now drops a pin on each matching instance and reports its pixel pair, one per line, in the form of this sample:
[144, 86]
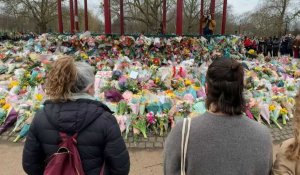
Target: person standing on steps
[209, 25]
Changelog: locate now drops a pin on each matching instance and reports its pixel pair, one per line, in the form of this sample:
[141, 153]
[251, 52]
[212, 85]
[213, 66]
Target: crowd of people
[17, 36]
[273, 46]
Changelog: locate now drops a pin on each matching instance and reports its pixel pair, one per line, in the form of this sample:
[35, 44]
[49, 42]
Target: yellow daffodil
[187, 82]
[271, 107]
[283, 111]
[38, 97]
[258, 69]
[251, 51]
[171, 95]
[27, 74]
[196, 88]
[6, 106]
[84, 56]
[13, 84]
[2, 102]
[292, 101]
[156, 80]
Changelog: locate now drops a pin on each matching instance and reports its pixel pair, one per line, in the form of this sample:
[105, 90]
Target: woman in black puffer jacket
[71, 109]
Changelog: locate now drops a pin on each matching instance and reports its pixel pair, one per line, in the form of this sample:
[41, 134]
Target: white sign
[134, 74]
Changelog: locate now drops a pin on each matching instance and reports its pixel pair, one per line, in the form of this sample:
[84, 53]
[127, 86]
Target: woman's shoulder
[282, 164]
[284, 145]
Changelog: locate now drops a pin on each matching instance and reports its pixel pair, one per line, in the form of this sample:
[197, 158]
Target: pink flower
[127, 95]
[121, 119]
[189, 98]
[151, 118]
[251, 102]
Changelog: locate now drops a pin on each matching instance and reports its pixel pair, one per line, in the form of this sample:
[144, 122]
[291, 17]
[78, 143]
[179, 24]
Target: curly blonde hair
[293, 151]
[61, 79]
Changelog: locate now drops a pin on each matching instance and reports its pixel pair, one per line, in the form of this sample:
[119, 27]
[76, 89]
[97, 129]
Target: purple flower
[116, 74]
[113, 95]
[122, 81]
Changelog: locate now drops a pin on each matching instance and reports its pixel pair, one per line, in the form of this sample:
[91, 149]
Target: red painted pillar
[201, 16]
[164, 17]
[76, 16]
[179, 17]
[59, 12]
[86, 18]
[121, 17]
[71, 17]
[212, 8]
[224, 17]
[107, 18]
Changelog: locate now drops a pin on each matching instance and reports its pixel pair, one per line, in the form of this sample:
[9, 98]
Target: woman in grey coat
[222, 141]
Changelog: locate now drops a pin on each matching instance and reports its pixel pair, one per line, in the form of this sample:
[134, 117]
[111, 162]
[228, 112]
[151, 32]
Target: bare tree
[274, 16]
[42, 11]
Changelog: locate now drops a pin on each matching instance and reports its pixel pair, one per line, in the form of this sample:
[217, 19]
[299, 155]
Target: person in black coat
[71, 109]
[284, 46]
[269, 43]
[275, 46]
[261, 46]
[290, 41]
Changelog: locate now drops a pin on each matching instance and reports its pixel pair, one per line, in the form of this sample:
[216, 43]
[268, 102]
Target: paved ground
[143, 161]
[149, 162]
[282, 134]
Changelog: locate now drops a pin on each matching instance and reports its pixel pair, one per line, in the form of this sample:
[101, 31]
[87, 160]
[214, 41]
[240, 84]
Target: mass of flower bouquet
[148, 82]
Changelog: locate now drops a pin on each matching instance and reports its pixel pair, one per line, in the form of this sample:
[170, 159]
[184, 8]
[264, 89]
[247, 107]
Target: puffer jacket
[99, 137]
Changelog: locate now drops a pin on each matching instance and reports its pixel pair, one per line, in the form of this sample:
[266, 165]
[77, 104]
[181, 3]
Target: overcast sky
[239, 6]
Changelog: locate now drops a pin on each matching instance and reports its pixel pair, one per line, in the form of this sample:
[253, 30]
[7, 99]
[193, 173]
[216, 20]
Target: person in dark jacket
[296, 47]
[269, 44]
[275, 46]
[283, 46]
[72, 109]
[290, 41]
[265, 50]
[261, 45]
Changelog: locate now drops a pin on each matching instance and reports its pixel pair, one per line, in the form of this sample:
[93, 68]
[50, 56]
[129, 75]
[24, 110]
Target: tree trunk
[42, 27]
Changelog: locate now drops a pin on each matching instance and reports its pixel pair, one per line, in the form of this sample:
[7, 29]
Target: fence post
[107, 17]
[224, 18]
[179, 17]
[71, 17]
[59, 13]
